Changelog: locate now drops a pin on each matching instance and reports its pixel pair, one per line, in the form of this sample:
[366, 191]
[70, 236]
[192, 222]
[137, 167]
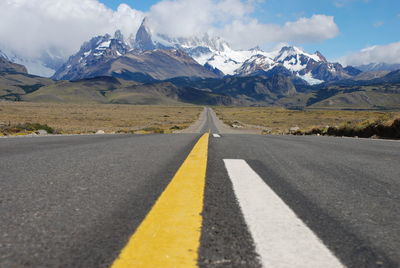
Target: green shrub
[175, 128]
[155, 130]
[26, 127]
[364, 129]
[35, 127]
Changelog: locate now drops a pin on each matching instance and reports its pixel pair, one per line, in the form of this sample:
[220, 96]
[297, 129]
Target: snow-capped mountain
[293, 61]
[373, 67]
[43, 65]
[212, 52]
[8, 66]
[218, 56]
[140, 59]
[92, 54]
[3, 55]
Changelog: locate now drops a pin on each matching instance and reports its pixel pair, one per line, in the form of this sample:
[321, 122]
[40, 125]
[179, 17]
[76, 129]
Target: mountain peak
[256, 48]
[143, 39]
[119, 36]
[7, 66]
[291, 50]
[2, 55]
[145, 22]
[322, 58]
[288, 52]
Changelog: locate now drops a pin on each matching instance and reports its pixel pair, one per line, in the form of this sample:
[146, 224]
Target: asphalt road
[75, 201]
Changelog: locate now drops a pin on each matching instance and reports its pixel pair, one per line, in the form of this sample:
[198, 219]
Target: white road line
[281, 238]
[217, 136]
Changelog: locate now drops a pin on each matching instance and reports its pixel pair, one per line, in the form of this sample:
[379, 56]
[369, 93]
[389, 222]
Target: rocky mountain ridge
[212, 53]
[6, 65]
[376, 67]
[113, 56]
[209, 51]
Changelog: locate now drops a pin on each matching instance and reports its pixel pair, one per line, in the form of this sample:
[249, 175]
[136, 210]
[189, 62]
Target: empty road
[222, 199]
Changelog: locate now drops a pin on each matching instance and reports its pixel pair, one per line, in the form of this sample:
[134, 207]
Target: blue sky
[353, 32]
[361, 23]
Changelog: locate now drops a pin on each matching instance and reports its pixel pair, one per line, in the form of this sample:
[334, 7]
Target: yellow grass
[76, 118]
[279, 120]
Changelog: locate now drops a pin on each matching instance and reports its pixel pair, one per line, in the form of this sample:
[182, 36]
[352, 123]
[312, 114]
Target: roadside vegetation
[22, 118]
[8, 129]
[313, 122]
[367, 129]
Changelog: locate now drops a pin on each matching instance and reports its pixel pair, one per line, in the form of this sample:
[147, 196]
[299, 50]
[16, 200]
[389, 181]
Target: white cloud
[184, 18]
[232, 20]
[389, 53]
[31, 27]
[304, 30]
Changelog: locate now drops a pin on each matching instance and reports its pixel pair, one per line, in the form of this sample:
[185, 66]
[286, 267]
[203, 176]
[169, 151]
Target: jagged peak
[145, 22]
[3, 55]
[288, 52]
[291, 50]
[143, 40]
[145, 27]
[256, 48]
[119, 36]
[322, 58]
[215, 43]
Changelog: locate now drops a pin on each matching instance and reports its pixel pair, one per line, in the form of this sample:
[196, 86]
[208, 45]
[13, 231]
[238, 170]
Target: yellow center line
[169, 236]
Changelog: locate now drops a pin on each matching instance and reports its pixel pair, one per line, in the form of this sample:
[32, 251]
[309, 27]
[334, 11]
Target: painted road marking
[217, 136]
[281, 238]
[169, 236]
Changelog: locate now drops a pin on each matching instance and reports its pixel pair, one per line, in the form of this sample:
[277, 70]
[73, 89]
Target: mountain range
[211, 52]
[150, 68]
[161, 57]
[133, 57]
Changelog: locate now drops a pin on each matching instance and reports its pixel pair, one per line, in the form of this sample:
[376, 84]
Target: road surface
[187, 200]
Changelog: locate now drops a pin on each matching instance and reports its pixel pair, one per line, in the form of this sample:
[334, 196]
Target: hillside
[118, 91]
[8, 66]
[379, 93]
[378, 90]
[15, 85]
[245, 91]
[364, 97]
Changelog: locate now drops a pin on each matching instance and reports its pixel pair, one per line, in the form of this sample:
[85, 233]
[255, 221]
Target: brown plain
[77, 118]
[279, 120]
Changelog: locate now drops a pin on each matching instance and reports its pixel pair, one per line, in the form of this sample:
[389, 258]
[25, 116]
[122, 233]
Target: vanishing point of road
[211, 198]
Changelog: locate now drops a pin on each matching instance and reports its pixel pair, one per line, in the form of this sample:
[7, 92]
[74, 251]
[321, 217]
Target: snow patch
[87, 53]
[104, 45]
[294, 64]
[229, 60]
[310, 79]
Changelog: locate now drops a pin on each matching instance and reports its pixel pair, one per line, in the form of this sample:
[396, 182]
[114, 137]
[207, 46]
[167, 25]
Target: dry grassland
[76, 119]
[279, 120]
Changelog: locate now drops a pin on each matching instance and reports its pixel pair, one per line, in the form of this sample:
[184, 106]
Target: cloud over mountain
[32, 27]
[232, 19]
[304, 30]
[389, 53]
